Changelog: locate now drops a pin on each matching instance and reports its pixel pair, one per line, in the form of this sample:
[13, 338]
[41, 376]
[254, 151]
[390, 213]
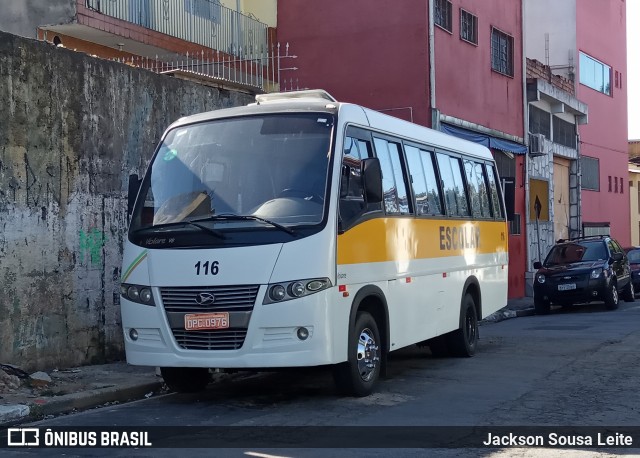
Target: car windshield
[634, 256]
[248, 169]
[568, 253]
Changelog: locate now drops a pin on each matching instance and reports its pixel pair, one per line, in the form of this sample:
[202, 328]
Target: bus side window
[424, 182]
[477, 189]
[396, 198]
[452, 185]
[495, 196]
[352, 202]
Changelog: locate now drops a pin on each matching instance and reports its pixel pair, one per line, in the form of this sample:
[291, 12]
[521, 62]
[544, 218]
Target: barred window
[468, 27]
[442, 14]
[590, 173]
[501, 52]
[564, 133]
[539, 121]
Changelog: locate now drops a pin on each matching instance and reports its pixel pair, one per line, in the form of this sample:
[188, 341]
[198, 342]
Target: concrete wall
[73, 128]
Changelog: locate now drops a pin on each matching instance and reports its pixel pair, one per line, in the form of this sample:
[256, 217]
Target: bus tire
[463, 341]
[360, 373]
[186, 379]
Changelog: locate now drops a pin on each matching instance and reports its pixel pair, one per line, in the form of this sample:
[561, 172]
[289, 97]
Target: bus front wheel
[359, 374]
[186, 379]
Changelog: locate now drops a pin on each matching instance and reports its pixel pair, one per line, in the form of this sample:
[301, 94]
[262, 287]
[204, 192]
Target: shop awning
[484, 139]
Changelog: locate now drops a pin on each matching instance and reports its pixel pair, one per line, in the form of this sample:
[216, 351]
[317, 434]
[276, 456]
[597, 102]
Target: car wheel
[541, 306]
[611, 300]
[463, 341]
[359, 374]
[629, 293]
[186, 379]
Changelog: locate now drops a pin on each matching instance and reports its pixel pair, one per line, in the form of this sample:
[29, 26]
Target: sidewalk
[87, 387]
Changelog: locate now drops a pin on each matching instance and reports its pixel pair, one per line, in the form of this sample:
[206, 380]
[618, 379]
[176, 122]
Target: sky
[633, 67]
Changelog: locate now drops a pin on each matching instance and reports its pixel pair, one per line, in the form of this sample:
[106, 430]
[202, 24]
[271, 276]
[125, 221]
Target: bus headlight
[278, 292]
[137, 293]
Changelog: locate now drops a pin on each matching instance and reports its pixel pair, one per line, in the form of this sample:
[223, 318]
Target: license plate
[206, 321]
[566, 287]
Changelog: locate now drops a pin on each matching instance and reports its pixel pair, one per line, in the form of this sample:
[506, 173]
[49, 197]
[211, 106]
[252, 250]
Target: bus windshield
[240, 170]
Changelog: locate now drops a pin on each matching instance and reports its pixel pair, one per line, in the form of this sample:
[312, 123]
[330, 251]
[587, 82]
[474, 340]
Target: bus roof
[320, 101]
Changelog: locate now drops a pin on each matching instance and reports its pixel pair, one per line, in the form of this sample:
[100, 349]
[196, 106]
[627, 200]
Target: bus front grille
[214, 340]
[188, 299]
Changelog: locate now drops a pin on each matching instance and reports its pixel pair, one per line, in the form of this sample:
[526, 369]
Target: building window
[615, 180]
[514, 225]
[590, 173]
[442, 14]
[595, 74]
[539, 121]
[610, 187]
[621, 186]
[468, 27]
[564, 133]
[501, 52]
[639, 199]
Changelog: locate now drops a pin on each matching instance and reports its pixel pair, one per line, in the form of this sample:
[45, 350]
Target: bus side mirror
[372, 177]
[134, 187]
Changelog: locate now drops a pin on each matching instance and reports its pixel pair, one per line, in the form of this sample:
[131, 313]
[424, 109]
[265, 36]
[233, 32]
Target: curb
[83, 400]
[502, 315]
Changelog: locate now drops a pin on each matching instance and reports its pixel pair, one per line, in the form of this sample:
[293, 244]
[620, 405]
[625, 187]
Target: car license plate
[206, 321]
[566, 287]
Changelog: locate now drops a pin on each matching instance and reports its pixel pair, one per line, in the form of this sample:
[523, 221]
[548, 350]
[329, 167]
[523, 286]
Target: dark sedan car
[633, 254]
[583, 270]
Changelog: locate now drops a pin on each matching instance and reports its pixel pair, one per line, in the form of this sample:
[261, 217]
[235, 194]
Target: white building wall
[558, 19]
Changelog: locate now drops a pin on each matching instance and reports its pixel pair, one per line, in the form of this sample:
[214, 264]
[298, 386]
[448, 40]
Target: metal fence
[205, 22]
[261, 71]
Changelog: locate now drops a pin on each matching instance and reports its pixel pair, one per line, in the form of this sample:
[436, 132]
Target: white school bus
[300, 231]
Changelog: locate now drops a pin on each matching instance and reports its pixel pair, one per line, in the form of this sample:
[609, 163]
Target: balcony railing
[256, 72]
[205, 22]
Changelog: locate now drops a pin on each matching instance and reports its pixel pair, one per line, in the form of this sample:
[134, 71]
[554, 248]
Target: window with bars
[564, 133]
[468, 27]
[539, 121]
[443, 14]
[501, 52]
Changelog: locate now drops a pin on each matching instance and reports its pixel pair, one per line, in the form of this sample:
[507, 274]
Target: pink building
[467, 81]
[585, 41]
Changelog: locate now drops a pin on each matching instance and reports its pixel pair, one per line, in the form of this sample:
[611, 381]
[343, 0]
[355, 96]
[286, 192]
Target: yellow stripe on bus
[401, 239]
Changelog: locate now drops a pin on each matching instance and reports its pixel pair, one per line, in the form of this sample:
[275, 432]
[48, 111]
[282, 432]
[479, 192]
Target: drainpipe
[525, 119]
[435, 118]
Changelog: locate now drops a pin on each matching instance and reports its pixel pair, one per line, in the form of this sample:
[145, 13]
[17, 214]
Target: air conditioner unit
[536, 145]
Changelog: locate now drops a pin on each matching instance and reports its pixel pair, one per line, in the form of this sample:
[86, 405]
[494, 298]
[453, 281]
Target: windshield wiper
[232, 216]
[202, 227]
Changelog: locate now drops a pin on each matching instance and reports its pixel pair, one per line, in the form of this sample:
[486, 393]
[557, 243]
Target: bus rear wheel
[463, 341]
[186, 379]
[359, 374]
